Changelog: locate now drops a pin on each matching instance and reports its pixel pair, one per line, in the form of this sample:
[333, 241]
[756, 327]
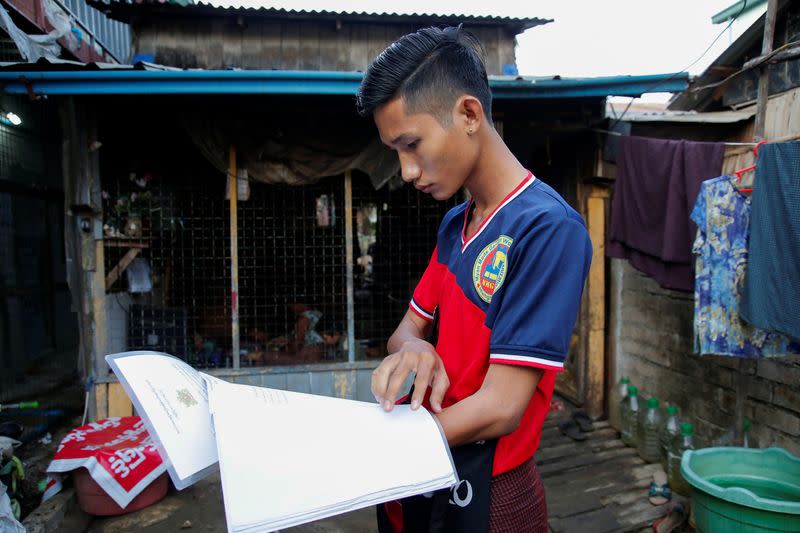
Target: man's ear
[468, 114]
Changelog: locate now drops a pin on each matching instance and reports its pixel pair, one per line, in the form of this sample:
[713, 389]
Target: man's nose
[409, 169]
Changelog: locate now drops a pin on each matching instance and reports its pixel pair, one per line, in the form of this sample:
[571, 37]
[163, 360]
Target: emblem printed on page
[490, 267]
[186, 398]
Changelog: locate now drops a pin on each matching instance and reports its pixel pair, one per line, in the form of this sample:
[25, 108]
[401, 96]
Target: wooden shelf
[117, 242]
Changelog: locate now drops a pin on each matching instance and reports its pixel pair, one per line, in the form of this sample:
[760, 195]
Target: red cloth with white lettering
[118, 453]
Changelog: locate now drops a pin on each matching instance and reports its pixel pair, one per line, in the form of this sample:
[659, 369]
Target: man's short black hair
[430, 69]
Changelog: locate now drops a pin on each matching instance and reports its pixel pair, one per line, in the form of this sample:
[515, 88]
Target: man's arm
[495, 410]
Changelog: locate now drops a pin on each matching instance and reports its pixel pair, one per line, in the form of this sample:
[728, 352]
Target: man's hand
[414, 356]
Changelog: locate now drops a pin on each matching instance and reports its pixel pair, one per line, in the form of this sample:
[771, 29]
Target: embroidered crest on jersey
[489, 270]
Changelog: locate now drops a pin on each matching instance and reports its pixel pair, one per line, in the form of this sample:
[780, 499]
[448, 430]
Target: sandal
[660, 492]
[583, 420]
[570, 429]
[675, 517]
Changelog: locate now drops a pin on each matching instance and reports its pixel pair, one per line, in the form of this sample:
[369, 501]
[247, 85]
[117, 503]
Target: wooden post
[233, 191]
[763, 79]
[348, 245]
[596, 291]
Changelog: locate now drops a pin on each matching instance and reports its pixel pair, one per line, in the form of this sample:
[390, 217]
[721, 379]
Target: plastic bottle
[729, 437]
[746, 433]
[670, 431]
[649, 425]
[618, 395]
[630, 417]
[685, 442]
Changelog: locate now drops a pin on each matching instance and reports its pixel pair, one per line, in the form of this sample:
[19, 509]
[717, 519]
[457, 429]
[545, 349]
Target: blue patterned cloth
[722, 215]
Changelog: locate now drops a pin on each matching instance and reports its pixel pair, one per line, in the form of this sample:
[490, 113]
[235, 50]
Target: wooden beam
[233, 191]
[763, 80]
[117, 271]
[596, 289]
[101, 401]
[348, 244]
[118, 402]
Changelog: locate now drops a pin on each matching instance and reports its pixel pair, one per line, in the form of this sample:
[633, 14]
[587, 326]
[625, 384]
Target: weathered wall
[258, 43]
[650, 340]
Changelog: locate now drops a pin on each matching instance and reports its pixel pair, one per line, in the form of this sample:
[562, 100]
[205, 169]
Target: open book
[285, 458]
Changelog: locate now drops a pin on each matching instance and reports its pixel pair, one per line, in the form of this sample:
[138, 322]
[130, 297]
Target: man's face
[436, 160]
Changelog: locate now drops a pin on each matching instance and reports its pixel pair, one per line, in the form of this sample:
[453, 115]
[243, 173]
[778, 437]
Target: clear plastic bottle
[630, 417]
[670, 431]
[618, 395]
[649, 425]
[746, 433]
[729, 437]
[685, 442]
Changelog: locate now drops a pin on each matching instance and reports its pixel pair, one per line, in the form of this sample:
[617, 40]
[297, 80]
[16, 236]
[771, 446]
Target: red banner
[118, 453]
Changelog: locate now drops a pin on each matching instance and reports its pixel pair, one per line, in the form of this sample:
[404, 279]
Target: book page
[172, 399]
[287, 458]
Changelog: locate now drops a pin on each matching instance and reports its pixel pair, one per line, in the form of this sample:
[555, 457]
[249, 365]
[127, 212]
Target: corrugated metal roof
[123, 10]
[692, 117]
[69, 78]
[736, 9]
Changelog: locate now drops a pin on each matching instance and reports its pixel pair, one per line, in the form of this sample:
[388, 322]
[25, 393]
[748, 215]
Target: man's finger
[439, 386]
[397, 379]
[421, 381]
[381, 375]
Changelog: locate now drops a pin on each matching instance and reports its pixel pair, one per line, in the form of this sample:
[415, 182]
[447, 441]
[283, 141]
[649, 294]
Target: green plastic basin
[743, 489]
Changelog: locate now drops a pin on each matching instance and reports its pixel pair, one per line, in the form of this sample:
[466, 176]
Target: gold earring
[469, 131]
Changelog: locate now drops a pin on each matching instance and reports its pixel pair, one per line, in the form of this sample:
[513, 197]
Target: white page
[172, 399]
[288, 458]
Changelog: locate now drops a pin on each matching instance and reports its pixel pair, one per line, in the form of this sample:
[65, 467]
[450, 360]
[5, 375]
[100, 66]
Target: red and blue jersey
[509, 294]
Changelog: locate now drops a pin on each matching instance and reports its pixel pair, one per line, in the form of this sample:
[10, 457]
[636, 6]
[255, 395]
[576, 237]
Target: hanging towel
[771, 296]
[657, 184]
[722, 215]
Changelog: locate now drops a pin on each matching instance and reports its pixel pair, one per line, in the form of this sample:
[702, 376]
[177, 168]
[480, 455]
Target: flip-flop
[583, 420]
[660, 492]
[675, 517]
[570, 429]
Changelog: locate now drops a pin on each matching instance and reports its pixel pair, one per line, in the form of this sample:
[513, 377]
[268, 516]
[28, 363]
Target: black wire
[686, 68]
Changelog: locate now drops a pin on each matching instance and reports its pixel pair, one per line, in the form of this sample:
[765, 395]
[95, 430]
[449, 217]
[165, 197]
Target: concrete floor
[199, 509]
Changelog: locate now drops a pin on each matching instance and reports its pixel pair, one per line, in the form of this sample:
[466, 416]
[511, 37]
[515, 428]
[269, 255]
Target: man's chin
[440, 195]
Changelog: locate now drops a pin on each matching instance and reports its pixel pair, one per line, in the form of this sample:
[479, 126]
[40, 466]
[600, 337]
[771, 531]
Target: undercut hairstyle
[429, 69]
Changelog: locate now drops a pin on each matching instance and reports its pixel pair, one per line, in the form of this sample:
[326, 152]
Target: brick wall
[650, 340]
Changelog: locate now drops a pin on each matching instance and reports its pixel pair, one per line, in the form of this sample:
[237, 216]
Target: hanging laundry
[657, 184]
[771, 295]
[722, 215]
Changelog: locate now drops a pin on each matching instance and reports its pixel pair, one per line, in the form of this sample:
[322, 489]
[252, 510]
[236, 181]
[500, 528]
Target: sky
[587, 38]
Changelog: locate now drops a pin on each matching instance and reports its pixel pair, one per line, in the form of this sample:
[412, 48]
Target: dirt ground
[199, 509]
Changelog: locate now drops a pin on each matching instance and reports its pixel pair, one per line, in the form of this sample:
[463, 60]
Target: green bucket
[743, 489]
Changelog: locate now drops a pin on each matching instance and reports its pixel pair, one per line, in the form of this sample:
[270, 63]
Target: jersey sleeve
[426, 296]
[533, 319]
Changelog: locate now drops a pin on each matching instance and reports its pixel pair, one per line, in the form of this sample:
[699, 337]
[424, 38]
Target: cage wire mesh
[292, 266]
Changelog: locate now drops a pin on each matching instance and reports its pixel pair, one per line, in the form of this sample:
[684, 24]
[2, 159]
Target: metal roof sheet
[123, 10]
[70, 78]
[693, 117]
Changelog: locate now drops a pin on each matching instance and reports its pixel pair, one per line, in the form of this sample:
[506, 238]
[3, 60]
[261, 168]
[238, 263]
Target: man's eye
[412, 145]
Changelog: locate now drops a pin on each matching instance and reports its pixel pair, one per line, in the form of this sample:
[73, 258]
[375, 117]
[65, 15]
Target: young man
[505, 278]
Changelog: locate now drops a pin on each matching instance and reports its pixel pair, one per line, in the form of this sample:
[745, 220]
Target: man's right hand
[416, 356]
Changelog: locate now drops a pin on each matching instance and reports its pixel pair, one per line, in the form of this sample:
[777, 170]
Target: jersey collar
[524, 184]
